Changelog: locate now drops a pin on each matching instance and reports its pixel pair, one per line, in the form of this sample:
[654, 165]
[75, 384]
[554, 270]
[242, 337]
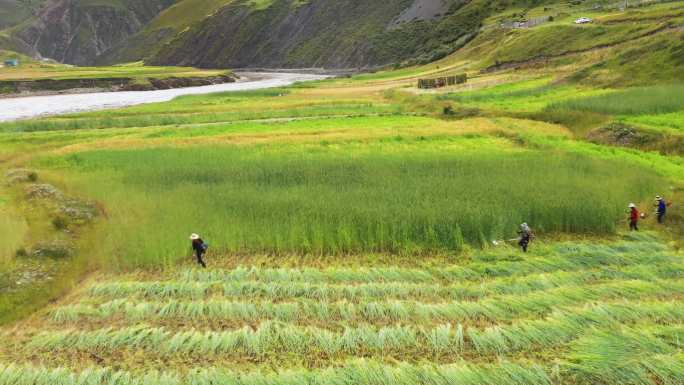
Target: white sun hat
[659, 198]
[632, 205]
[194, 237]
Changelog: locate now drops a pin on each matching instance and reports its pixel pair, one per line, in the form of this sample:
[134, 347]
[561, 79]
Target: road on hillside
[36, 106]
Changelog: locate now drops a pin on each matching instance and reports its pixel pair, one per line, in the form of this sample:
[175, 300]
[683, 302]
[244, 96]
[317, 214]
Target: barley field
[570, 313]
[361, 230]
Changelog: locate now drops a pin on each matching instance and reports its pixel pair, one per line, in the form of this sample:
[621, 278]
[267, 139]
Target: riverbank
[43, 87]
[33, 106]
[32, 78]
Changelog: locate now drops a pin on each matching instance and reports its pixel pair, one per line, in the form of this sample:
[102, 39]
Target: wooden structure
[442, 81]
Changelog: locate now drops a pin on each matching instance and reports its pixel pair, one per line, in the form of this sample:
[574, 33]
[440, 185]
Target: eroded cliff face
[78, 31]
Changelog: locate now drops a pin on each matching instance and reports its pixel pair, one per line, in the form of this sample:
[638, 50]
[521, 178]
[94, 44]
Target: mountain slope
[13, 12]
[333, 34]
[323, 33]
[77, 31]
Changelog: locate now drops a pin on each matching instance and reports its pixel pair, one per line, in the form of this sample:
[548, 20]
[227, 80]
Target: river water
[35, 106]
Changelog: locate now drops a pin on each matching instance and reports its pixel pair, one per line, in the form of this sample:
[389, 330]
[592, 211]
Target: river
[35, 106]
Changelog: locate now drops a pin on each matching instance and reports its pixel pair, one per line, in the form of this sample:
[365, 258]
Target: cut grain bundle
[626, 356]
[272, 337]
[358, 372]
[494, 309]
[152, 289]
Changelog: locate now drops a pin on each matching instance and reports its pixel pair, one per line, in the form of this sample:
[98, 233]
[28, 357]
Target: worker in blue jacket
[661, 208]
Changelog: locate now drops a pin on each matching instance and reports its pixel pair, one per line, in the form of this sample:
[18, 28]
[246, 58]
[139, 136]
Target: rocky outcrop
[77, 32]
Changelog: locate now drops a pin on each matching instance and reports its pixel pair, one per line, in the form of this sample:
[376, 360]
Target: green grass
[633, 101]
[387, 196]
[215, 108]
[37, 70]
[14, 229]
[523, 96]
[671, 122]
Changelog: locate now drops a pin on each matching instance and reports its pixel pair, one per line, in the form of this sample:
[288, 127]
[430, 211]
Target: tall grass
[385, 197]
[633, 101]
[199, 117]
[673, 121]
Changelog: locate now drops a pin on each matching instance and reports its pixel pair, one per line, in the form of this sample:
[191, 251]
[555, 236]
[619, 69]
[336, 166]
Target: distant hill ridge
[239, 33]
[334, 34]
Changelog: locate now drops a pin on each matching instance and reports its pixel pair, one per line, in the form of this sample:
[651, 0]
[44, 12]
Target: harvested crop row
[405, 341]
[359, 372]
[628, 356]
[494, 309]
[474, 271]
[394, 290]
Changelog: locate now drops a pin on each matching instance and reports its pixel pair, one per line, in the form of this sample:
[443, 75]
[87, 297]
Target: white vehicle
[583, 20]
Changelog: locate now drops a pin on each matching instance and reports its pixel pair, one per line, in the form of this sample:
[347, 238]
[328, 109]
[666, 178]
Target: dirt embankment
[11, 88]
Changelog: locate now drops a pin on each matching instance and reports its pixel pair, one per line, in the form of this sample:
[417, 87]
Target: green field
[397, 196]
[360, 230]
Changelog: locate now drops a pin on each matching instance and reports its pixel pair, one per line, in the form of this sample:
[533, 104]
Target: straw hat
[659, 198]
[194, 237]
[632, 205]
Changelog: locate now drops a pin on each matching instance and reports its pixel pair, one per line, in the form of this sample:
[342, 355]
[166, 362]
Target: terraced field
[579, 313]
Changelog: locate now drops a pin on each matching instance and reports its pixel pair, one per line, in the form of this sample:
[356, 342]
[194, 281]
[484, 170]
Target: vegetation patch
[634, 101]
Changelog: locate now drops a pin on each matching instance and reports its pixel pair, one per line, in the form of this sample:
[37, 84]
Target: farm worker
[633, 217]
[661, 208]
[199, 247]
[526, 236]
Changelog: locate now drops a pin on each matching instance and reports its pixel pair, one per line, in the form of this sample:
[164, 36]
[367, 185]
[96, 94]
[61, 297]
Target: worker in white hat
[199, 247]
[633, 217]
[526, 236]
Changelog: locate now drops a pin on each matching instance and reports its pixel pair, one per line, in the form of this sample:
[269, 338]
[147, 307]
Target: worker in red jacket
[633, 217]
